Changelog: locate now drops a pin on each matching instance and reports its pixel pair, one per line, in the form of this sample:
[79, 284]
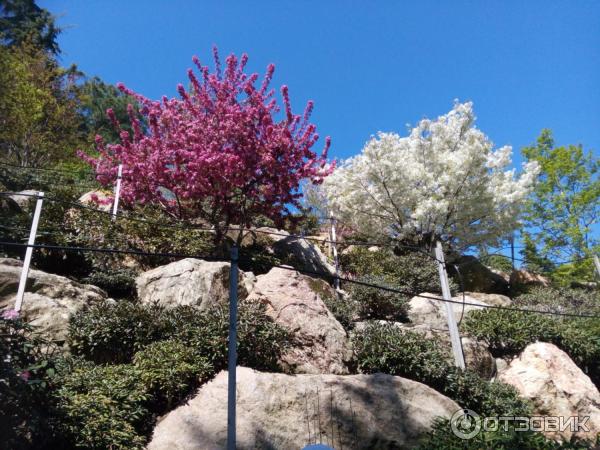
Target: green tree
[23, 21]
[40, 120]
[564, 208]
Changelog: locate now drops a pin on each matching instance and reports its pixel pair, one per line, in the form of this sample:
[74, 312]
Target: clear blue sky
[368, 66]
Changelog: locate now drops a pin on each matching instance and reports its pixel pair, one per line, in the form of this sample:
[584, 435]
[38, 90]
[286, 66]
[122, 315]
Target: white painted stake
[117, 192]
[459, 358]
[597, 264]
[335, 253]
[29, 251]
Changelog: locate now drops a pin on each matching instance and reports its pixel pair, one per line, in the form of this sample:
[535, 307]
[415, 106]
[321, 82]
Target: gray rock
[190, 281]
[424, 310]
[295, 302]
[276, 411]
[305, 254]
[547, 376]
[23, 201]
[49, 301]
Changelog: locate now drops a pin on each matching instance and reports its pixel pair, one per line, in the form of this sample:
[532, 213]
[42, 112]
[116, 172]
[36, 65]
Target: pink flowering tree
[223, 152]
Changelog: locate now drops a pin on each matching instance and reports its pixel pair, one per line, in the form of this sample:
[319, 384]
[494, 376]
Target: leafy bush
[343, 308]
[24, 373]
[373, 303]
[118, 283]
[561, 299]
[441, 437]
[260, 340]
[113, 332]
[509, 332]
[388, 349]
[412, 271]
[169, 369]
[100, 407]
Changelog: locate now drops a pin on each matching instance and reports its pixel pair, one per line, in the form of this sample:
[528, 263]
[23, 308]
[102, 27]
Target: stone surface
[295, 302]
[305, 254]
[547, 376]
[477, 356]
[489, 299]
[49, 301]
[276, 411]
[431, 312]
[522, 278]
[24, 201]
[190, 281]
[477, 277]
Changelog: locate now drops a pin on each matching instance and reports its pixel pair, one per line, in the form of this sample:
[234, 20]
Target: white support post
[117, 192]
[597, 264]
[232, 351]
[334, 251]
[29, 251]
[459, 358]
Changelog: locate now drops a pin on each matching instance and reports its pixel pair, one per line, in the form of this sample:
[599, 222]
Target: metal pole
[459, 358]
[29, 251]
[335, 253]
[597, 264]
[232, 363]
[117, 191]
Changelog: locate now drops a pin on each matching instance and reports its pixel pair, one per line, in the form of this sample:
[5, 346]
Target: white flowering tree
[443, 181]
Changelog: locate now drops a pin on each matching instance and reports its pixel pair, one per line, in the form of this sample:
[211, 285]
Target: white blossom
[444, 180]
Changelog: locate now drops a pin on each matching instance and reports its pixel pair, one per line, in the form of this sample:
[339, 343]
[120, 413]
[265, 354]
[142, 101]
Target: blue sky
[368, 66]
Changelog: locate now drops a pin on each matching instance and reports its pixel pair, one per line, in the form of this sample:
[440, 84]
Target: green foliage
[386, 348]
[24, 373]
[497, 262]
[101, 407]
[373, 303]
[412, 271]
[169, 369]
[113, 332]
[564, 206]
[509, 332]
[118, 283]
[344, 309]
[23, 21]
[441, 437]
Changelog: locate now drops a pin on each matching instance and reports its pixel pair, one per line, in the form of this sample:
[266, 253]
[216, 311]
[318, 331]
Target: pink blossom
[220, 149]
[10, 314]
[25, 375]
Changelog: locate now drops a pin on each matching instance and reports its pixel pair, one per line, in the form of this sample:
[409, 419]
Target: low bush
[373, 303]
[118, 283]
[168, 370]
[24, 373]
[113, 332]
[509, 332]
[441, 437]
[388, 349]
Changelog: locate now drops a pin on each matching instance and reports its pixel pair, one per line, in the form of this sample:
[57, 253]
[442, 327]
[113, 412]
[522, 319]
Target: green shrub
[260, 340]
[388, 349]
[343, 308]
[118, 283]
[24, 373]
[113, 332]
[560, 299]
[412, 271]
[509, 332]
[373, 303]
[441, 437]
[100, 407]
[168, 370]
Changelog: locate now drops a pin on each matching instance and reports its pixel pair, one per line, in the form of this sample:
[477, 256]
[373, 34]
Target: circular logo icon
[465, 423]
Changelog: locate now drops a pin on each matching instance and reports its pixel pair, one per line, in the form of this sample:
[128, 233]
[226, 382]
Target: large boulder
[24, 199]
[430, 309]
[276, 411]
[295, 301]
[49, 301]
[304, 253]
[100, 199]
[475, 276]
[522, 279]
[477, 356]
[547, 376]
[190, 281]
